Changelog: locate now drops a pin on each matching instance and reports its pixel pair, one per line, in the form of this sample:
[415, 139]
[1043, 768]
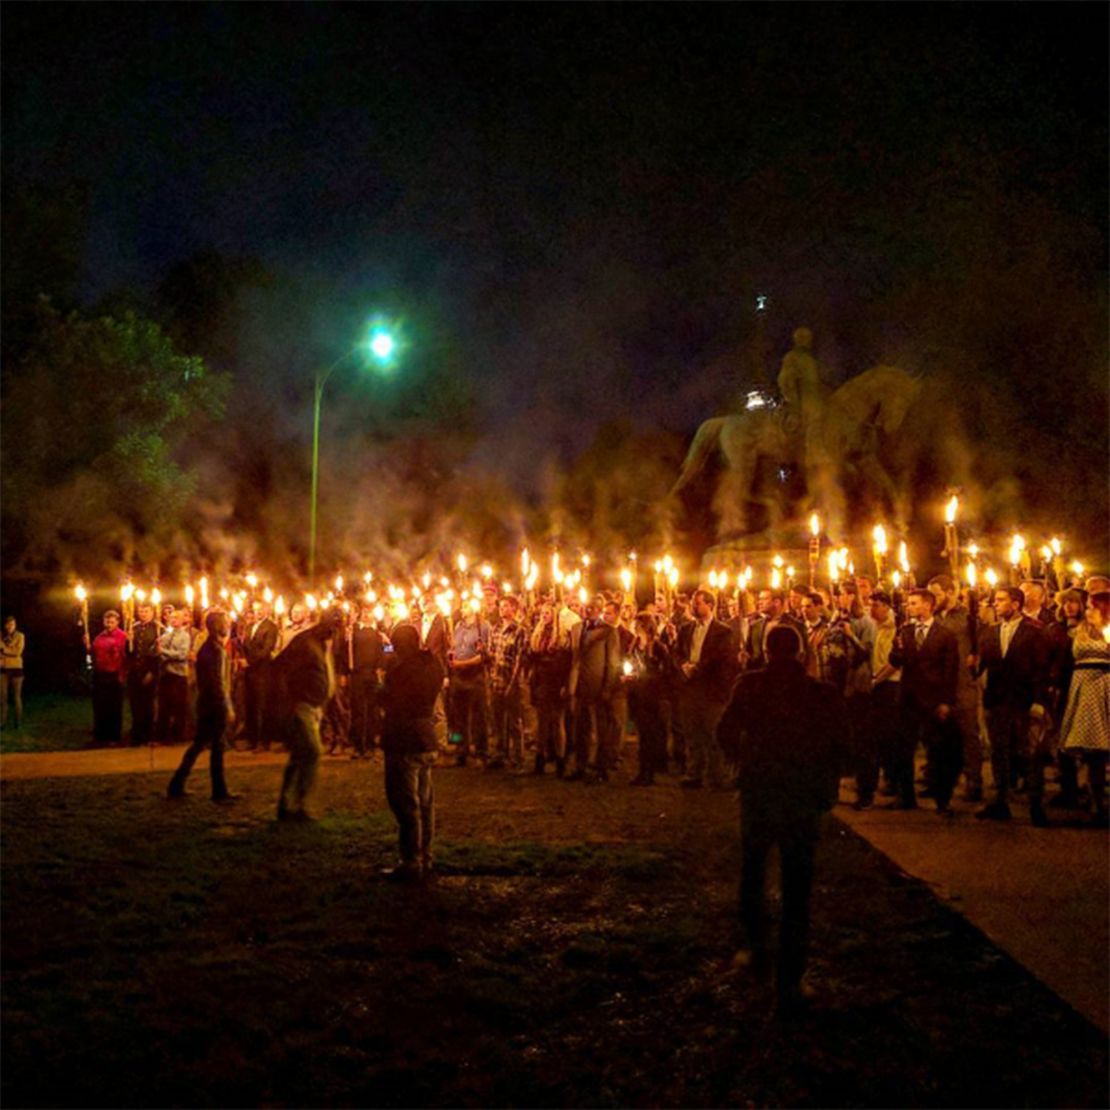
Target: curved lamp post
[382, 346]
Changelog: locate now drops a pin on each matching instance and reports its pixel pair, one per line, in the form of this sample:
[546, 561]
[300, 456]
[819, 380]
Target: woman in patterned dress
[1085, 728]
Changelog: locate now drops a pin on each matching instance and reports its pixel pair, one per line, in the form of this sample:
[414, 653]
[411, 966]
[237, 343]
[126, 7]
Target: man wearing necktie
[929, 657]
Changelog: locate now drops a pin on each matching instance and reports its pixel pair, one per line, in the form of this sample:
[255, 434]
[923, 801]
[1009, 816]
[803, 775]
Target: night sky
[585, 199]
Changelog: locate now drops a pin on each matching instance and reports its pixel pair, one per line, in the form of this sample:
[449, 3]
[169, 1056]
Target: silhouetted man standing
[787, 733]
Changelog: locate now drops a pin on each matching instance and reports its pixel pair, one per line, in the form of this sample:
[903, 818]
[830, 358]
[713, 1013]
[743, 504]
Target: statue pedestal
[759, 553]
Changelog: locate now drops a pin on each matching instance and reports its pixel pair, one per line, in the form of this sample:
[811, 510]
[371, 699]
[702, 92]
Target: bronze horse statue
[839, 447]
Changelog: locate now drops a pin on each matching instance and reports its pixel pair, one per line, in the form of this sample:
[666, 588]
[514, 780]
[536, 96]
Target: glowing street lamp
[383, 348]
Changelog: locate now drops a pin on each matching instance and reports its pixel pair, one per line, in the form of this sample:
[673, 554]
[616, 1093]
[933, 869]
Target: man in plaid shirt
[508, 642]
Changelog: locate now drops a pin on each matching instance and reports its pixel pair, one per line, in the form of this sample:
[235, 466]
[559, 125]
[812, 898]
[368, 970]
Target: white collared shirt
[1006, 632]
[698, 638]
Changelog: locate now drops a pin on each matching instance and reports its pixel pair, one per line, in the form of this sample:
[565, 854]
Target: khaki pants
[305, 750]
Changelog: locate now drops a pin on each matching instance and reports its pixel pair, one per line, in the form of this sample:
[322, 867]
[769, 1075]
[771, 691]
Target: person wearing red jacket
[109, 658]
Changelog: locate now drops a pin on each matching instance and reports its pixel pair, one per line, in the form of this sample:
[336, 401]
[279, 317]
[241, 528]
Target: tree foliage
[94, 411]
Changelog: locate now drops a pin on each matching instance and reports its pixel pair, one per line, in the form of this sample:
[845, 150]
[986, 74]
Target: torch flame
[461, 562]
[190, 596]
[951, 510]
[991, 577]
[310, 602]
[1056, 545]
[80, 592]
[814, 525]
[904, 557]
[127, 591]
[972, 575]
[878, 534]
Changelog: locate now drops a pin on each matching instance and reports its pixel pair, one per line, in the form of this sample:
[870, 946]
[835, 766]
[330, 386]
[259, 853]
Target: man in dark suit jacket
[929, 656]
[259, 648]
[595, 674]
[1014, 655]
[772, 613]
[708, 666]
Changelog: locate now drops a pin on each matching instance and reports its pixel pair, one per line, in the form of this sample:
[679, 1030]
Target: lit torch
[878, 549]
[814, 548]
[82, 596]
[952, 537]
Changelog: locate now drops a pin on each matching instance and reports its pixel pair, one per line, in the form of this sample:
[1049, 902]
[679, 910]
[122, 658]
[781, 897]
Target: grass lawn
[53, 723]
[569, 954]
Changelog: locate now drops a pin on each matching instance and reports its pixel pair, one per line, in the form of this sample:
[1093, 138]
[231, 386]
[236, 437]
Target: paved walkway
[1042, 895]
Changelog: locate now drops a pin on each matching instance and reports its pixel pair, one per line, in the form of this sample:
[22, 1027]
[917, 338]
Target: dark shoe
[226, 799]
[403, 873]
[899, 804]
[690, 784]
[538, 766]
[176, 795]
[1037, 815]
[794, 1002]
[928, 792]
[996, 811]
[1063, 801]
[295, 816]
[752, 961]
[972, 794]
[576, 776]
[946, 811]
[861, 805]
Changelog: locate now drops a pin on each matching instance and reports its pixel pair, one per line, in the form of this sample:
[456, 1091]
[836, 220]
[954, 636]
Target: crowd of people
[1019, 685]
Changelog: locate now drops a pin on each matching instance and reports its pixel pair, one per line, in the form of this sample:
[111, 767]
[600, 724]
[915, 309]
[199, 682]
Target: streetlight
[382, 345]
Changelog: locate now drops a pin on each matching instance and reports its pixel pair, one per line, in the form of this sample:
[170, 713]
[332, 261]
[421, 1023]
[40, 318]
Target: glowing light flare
[382, 344]
[156, 597]
[140, 596]
[443, 603]
[777, 561]
[1077, 568]
[279, 606]
[80, 592]
[972, 573]
[973, 550]
[790, 574]
[672, 577]
[776, 578]
[127, 592]
[487, 571]
[842, 558]
[904, 557]
[252, 580]
[339, 583]
[311, 604]
[814, 525]
[1106, 632]
[506, 587]
[461, 562]
[368, 577]
[896, 578]
[583, 595]
[626, 666]
[991, 577]
[834, 566]
[951, 509]
[525, 563]
[1046, 553]
[267, 595]
[224, 594]
[379, 613]
[1017, 546]
[626, 579]
[190, 596]
[878, 539]
[474, 605]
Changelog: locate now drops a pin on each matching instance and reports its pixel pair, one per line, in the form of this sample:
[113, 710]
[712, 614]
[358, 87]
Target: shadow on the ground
[568, 954]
